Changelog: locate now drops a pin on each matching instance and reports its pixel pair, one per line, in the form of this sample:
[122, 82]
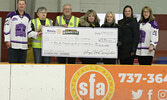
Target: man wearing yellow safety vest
[67, 20]
[37, 26]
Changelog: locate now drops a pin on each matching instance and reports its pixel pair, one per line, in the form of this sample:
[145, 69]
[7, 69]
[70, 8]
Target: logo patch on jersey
[20, 30]
[142, 36]
[6, 22]
[14, 19]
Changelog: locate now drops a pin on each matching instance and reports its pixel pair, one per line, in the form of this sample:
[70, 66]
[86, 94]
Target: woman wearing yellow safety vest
[37, 26]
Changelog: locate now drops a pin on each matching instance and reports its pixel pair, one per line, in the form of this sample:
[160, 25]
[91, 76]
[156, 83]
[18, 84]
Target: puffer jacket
[84, 23]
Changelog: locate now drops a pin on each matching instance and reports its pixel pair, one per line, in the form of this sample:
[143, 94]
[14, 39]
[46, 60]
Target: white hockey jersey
[17, 29]
[148, 35]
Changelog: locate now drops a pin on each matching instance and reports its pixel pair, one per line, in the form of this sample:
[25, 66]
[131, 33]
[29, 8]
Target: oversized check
[80, 42]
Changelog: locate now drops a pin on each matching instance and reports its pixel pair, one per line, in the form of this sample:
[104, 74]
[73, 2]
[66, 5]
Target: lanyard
[67, 21]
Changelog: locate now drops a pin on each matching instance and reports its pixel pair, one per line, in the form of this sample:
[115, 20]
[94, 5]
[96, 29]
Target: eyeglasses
[43, 12]
[67, 9]
[145, 11]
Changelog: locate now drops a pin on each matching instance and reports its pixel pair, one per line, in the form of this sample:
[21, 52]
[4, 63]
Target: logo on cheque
[92, 82]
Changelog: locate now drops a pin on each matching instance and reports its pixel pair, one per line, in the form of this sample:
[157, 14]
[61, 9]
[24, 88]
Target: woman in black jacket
[109, 22]
[90, 19]
[129, 28]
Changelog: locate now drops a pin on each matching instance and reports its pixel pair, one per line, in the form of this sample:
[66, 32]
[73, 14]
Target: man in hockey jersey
[17, 29]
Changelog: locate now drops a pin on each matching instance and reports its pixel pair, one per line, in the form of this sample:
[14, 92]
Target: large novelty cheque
[80, 42]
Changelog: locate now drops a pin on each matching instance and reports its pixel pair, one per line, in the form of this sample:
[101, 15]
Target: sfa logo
[100, 87]
[92, 82]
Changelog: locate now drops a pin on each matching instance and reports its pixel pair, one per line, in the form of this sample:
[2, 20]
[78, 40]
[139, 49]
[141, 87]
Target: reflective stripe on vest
[51, 24]
[75, 22]
[36, 41]
[60, 20]
[36, 24]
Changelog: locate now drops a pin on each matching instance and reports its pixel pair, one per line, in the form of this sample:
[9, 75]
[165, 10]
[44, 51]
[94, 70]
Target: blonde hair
[151, 17]
[94, 14]
[105, 19]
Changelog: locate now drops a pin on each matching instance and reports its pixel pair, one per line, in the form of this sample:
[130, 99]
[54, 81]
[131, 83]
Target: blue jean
[17, 55]
[38, 58]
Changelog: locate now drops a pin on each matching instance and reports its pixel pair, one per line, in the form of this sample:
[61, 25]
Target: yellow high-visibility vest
[36, 43]
[74, 21]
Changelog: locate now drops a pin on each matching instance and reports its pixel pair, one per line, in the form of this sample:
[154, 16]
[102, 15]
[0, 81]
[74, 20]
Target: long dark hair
[127, 6]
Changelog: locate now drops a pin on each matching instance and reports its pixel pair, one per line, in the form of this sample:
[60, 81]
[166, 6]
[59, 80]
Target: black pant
[145, 60]
[109, 61]
[17, 55]
[127, 61]
[62, 60]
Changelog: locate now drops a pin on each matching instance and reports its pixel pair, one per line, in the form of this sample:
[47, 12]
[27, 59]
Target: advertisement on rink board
[115, 82]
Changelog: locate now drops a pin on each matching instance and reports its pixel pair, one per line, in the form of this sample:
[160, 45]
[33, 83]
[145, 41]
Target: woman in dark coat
[129, 28]
[109, 22]
[90, 19]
